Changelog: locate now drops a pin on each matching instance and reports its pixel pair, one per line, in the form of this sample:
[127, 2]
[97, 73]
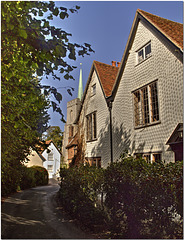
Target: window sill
[143, 61]
[147, 125]
[88, 141]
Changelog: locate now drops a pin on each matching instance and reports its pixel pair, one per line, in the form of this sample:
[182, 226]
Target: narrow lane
[33, 214]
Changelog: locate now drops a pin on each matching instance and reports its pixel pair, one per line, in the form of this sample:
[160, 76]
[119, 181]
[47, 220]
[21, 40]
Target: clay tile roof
[48, 142]
[172, 30]
[107, 75]
[73, 142]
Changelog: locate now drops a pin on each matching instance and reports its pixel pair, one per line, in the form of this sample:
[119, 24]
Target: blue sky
[106, 26]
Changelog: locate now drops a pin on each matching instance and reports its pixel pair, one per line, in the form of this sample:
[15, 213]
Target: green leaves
[22, 33]
[146, 192]
[63, 15]
[31, 46]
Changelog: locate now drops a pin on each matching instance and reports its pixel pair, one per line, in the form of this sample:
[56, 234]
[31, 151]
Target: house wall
[163, 66]
[97, 102]
[73, 108]
[34, 160]
[56, 160]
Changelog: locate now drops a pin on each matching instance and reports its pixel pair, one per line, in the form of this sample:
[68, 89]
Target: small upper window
[144, 53]
[50, 157]
[93, 89]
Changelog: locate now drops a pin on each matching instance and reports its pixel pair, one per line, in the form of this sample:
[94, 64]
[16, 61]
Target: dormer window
[144, 53]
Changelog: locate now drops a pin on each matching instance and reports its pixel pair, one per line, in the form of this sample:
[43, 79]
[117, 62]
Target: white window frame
[150, 157]
[49, 155]
[50, 168]
[144, 57]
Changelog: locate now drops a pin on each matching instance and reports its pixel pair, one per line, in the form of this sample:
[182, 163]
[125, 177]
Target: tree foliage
[30, 48]
[54, 133]
[31, 44]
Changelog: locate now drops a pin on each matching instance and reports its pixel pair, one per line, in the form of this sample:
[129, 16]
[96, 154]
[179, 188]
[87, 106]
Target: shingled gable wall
[97, 102]
[163, 66]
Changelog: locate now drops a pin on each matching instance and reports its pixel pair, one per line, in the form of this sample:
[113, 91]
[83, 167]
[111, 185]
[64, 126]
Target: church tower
[70, 130]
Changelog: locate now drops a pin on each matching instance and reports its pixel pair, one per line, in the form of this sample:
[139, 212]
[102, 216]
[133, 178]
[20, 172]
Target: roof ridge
[104, 64]
[140, 10]
[172, 30]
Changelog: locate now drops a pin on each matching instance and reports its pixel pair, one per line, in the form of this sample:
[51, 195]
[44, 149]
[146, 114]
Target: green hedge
[23, 178]
[10, 177]
[78, 193]
[141, 199]
[41, 175]
[33, 176]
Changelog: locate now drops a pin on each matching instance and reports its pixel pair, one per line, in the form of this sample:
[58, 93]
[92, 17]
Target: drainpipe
[110, 114]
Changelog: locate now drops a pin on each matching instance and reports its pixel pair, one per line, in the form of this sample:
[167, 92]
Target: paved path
[34, 214]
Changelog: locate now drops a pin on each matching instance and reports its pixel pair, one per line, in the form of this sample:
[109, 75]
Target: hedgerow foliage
[141, 200]
[79, 190]
[26, 177]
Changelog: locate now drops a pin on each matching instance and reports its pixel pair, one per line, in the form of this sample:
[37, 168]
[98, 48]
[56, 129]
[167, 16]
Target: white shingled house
[137, 106]
[148, 92]
[95, 114]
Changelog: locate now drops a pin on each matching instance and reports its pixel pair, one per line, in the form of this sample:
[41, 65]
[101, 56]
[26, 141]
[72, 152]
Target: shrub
[141, 199]
[79, 190]
[10, 177]
[33, 176]
[27, 178]
[41, 175]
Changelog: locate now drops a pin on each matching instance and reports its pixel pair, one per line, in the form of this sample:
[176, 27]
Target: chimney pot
[114, 63]
[118, 63]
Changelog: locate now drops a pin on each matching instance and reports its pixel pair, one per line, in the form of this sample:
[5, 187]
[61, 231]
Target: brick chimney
[114, 63]
[118, 63]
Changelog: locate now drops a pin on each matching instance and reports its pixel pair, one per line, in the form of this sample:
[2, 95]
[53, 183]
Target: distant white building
[49, 158]
[52, 156]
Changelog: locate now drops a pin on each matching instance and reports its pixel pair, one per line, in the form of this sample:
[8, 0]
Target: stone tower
[70, 129]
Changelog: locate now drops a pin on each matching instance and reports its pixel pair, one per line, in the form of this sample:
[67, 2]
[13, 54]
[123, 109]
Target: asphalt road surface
[34, 214]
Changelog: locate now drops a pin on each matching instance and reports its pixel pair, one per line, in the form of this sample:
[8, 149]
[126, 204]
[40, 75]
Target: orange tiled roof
[172, 30]
[73, 142]
[48, 142]
[107, 75]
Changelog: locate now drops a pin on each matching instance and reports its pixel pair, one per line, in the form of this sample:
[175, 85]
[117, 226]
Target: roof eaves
[85, 92]
[137, 18]
[98, 75]
[49, 142]
[86, 88]
[159, 29]
[125, 56]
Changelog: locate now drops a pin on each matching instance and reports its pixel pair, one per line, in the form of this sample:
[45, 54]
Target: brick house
[137, 106]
